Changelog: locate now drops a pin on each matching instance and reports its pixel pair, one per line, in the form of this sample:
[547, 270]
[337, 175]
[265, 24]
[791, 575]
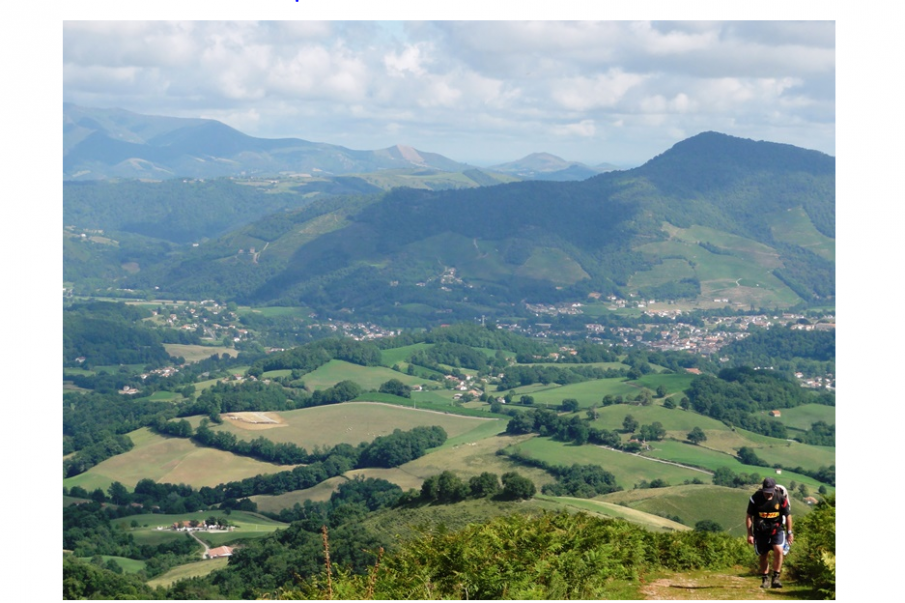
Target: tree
[397, 388]
[629, 424]
[484, 485]
[517, 486]
[569, 405]
[697, 435]
[707, 525]
[653, 432]
[661, 391]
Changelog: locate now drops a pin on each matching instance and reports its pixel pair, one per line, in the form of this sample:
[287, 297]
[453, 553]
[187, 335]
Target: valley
[400, 358]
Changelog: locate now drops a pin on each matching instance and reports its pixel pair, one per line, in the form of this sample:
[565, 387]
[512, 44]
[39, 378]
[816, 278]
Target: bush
[814, 561]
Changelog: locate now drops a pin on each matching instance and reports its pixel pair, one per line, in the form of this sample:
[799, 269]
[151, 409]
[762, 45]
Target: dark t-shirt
[768, 511]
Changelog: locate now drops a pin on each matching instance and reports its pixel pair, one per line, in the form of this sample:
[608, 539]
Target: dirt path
[204, 544]
[648, 458]
[732, 584]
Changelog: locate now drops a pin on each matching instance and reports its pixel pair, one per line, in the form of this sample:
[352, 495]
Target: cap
[769, 485]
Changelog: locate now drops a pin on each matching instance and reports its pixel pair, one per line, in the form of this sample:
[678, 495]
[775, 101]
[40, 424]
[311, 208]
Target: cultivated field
[319, 493]
[349, 423]
[608, 509]
[194, 353]
[189, 570]
[587, 392]
[695, 503]
[152, 528]
[801, 417]
[171, 460]
[611, 417]
[628, 469]
[368, 377]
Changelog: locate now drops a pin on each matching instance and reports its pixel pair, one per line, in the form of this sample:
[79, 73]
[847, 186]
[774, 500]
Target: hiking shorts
[764, 544]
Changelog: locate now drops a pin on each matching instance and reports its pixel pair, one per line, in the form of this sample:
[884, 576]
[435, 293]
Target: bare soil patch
[254, 421]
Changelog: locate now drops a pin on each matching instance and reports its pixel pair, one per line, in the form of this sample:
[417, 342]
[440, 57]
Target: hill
[701, 221]
[544, 166]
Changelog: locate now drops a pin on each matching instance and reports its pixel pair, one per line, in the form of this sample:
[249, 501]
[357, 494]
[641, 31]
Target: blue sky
[478, 91]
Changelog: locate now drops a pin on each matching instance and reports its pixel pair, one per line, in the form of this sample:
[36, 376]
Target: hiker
[769, 523]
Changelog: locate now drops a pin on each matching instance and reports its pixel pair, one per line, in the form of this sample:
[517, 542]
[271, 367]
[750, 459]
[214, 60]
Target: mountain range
[715, 220]
[114, 143]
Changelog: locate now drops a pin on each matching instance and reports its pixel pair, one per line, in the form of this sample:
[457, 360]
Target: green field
[129, 566]
[194, 353]
[801, 417]
[152, 527]
[189, 570]
[671, 382]
[695, 503]
[319, 493]
[795, 227]
[628, 469]
[743, 275]
[772, 450]
[170, 460]
[586, 392]
[611, 417]
[398, 355]
[349, 423]
[599, 507]
[368, 377]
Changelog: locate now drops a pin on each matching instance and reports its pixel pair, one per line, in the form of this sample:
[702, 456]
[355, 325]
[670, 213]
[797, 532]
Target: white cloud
[445, 84]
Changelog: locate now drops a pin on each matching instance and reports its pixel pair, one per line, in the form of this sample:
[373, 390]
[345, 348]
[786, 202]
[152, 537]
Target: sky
[478, 91]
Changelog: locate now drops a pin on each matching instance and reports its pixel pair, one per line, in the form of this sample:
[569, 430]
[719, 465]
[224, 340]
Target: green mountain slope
[715, 217]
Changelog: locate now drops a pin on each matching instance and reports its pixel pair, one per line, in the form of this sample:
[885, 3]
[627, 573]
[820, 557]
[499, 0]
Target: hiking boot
[775, 583]
[765, 581]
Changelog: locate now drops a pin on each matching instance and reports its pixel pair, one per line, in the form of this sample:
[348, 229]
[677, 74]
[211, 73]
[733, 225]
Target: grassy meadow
[171, 460]
[189, 570]
[628, 469]
[801, 417]
[194, 353]
[247, 525]
[368, 377]
[349, 423]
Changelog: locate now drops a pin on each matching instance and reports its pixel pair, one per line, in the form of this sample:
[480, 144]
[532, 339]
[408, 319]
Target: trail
[647, 458]
[204, 544]
[736, 583]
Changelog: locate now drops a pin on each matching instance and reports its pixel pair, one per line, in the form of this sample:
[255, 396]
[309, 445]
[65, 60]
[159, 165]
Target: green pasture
[278, 311]
[551, 264]
[720, 274]
[349, 423]
[795, 227]
[587, 392]
[164, 396]
[247, 525]
[200, 386]
[170, 460]
[801, 417]
[629, 469]
[129, 566]
[194, 353]
[189, 570]
[471, 458]
[319, 493]
[668, 270]
[772, 450]
[277, 373]
[694, 503]
[397, 355]
[672, 382]
[675, 419]
[368, 377]
[599, 507]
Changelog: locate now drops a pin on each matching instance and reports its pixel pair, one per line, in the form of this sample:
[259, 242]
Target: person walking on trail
[769, 523]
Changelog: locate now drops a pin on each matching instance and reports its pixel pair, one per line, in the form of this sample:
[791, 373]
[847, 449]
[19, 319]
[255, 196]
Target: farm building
[220, 551]
[775, 413]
